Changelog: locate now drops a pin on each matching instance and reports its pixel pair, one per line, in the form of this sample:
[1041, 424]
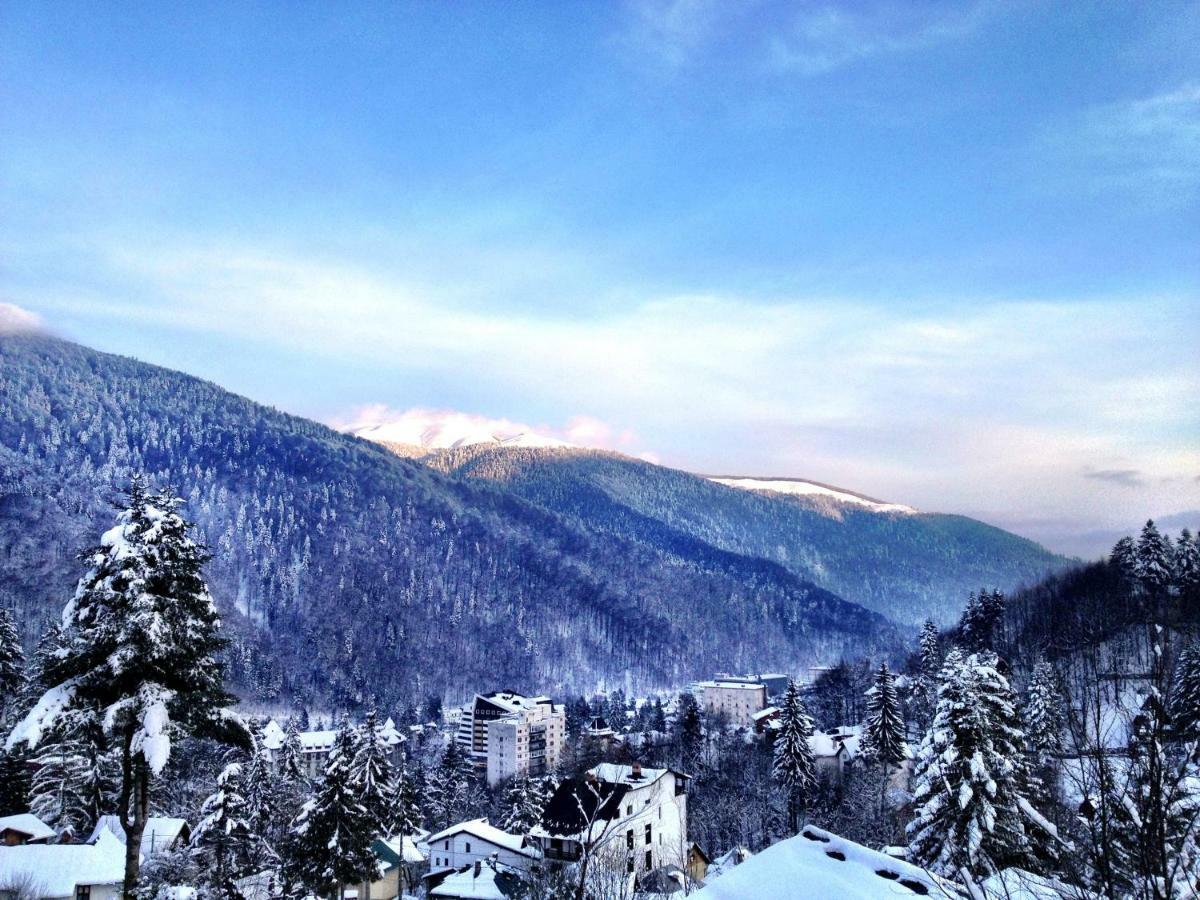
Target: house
[468, 842]
[507, 734]
[162, 833]
[737, 701]
[816, 863]
[637, 817]
[91, 871]
[835, 749]
[599, 730]
[766, 719]
[24, 828]
[663, 882]
[315, 746]
[726, 861]
[482, 880]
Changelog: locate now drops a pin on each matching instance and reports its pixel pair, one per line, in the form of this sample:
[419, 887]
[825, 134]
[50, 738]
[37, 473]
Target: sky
[943, 254]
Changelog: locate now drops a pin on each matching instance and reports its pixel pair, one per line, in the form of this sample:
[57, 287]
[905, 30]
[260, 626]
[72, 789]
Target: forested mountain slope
[904, 565]
[344, 569]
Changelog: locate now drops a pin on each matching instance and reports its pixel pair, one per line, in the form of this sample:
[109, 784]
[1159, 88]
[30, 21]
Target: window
[649, 861]
[447, 847]
[83, 892]
[629, 865]
[629, 839]
[629, 809]
[648, 839]
[468, 846]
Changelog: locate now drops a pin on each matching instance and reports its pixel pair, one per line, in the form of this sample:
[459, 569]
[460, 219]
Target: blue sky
[944, 254]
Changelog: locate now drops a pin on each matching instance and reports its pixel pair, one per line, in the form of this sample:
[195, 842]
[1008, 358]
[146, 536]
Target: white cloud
[15, 320]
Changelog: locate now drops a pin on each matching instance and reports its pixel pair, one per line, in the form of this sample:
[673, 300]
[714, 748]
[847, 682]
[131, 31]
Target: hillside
[903, 564]
[343, 568]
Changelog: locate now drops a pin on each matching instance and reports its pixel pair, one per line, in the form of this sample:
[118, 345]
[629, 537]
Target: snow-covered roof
[845, 738]
[827, 866]
[733, 685]
[57, 869]
[725, 862]
[488, 880]
[29, 825]
[160, 834]
[322, 741]
[485, 831]
[765, 713]
[615, 773]
[412, 850]
[1017, 884]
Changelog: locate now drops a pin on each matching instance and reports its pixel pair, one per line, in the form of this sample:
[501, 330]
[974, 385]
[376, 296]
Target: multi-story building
[508, 734]
[315, 746]
[775, 682]
[738, 701]
[627, 819]
[470, 842]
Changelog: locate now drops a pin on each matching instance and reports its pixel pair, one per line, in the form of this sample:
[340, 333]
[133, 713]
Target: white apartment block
[632, 819]
[315, 746]
[470, 842]
[738, 701]
[508, 734]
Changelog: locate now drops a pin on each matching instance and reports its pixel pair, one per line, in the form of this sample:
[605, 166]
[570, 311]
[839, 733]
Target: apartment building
[315, 746]
[508, 734]
[738, 701]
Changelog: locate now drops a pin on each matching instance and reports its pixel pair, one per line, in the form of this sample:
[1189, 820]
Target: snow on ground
[816, 863]
[798, 488]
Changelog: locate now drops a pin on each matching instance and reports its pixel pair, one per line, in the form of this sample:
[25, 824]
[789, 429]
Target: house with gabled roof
[24, 828]
[468, 842]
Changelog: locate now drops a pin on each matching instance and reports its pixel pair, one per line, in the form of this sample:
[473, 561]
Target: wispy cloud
[821, 39]
[1131, 478]
[15, 320]
[1146, 145]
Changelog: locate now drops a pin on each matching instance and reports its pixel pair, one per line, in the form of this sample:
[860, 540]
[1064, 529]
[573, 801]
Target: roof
[737, 685]
[160, 834]
[57, 869]
[575, 803]
[485, 831]
[494, 881]
[765, 713]
[620, 774]
[821, 864]
[412, 853]
[273, 737]
[29, 825]
[664, 880]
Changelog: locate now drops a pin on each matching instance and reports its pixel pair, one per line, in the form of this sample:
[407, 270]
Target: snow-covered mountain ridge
[800, 488]
[438, 430]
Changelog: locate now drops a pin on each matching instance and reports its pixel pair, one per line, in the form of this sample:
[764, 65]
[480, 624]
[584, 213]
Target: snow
[28, 824]
[1017, 884]
[445, 430]
[466, 884]
[797, 488]
[160, 833]
[412, 853]
[42, 716]
[57, 869]
[802, 867]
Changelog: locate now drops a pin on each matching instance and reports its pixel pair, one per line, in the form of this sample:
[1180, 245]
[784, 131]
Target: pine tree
[330, 841]
[15, 780]
[12, 664]
[931, 651]
[968, 774]
[883, 737]
[1123, 557]
[1185, 699]
[793, 766]
[1187, 562]
[223, 844]
[923, 691]
[1043, 715]
[448, 787]
[1155, 563]
[404, 804]
[140, 651]
[59, 792]
[524, 800]
[291, 754]
[262, 793]
[689, 731]
[371, 773]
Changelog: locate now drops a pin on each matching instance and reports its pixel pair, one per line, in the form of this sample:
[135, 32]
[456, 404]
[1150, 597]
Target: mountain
[343, 569]
[434, 429]
[890, 558]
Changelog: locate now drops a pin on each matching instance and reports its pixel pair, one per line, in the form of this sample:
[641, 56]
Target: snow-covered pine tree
[330, 840]
[1185, 699]
[15, 780]
[291, 767]
[689, 731]
[12, 664]
[1155, 562]
[62, 770]
[930, 649]
[793, 765]
[371, 772]
[1043, 715]
[883, 736]
[1123, 557]
[1187, 562]
[404, 804]
[448, 787]
[261, 790]
[969, 811]
[35, 678]
[922, 691]
[524, 801]
[223, 843]
[141, 637]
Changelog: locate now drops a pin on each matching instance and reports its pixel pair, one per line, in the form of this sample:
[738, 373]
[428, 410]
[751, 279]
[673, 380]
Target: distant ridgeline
[343, 569]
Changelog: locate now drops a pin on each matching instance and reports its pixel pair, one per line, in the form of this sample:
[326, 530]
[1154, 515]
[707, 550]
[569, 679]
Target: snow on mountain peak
[445, 429]
[797, 487]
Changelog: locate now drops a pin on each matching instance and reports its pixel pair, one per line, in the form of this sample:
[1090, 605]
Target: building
[775, 682]
[469, 842]
[508, 734]
[162, 833]
[483, 880]
[766, 720]
[91, 871]
[737, 701]
[631, 818]
[315, 746]
[24, 828]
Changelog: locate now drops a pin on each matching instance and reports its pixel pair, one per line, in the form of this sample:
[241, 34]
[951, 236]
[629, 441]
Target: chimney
[591, 777]
[636, 772]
